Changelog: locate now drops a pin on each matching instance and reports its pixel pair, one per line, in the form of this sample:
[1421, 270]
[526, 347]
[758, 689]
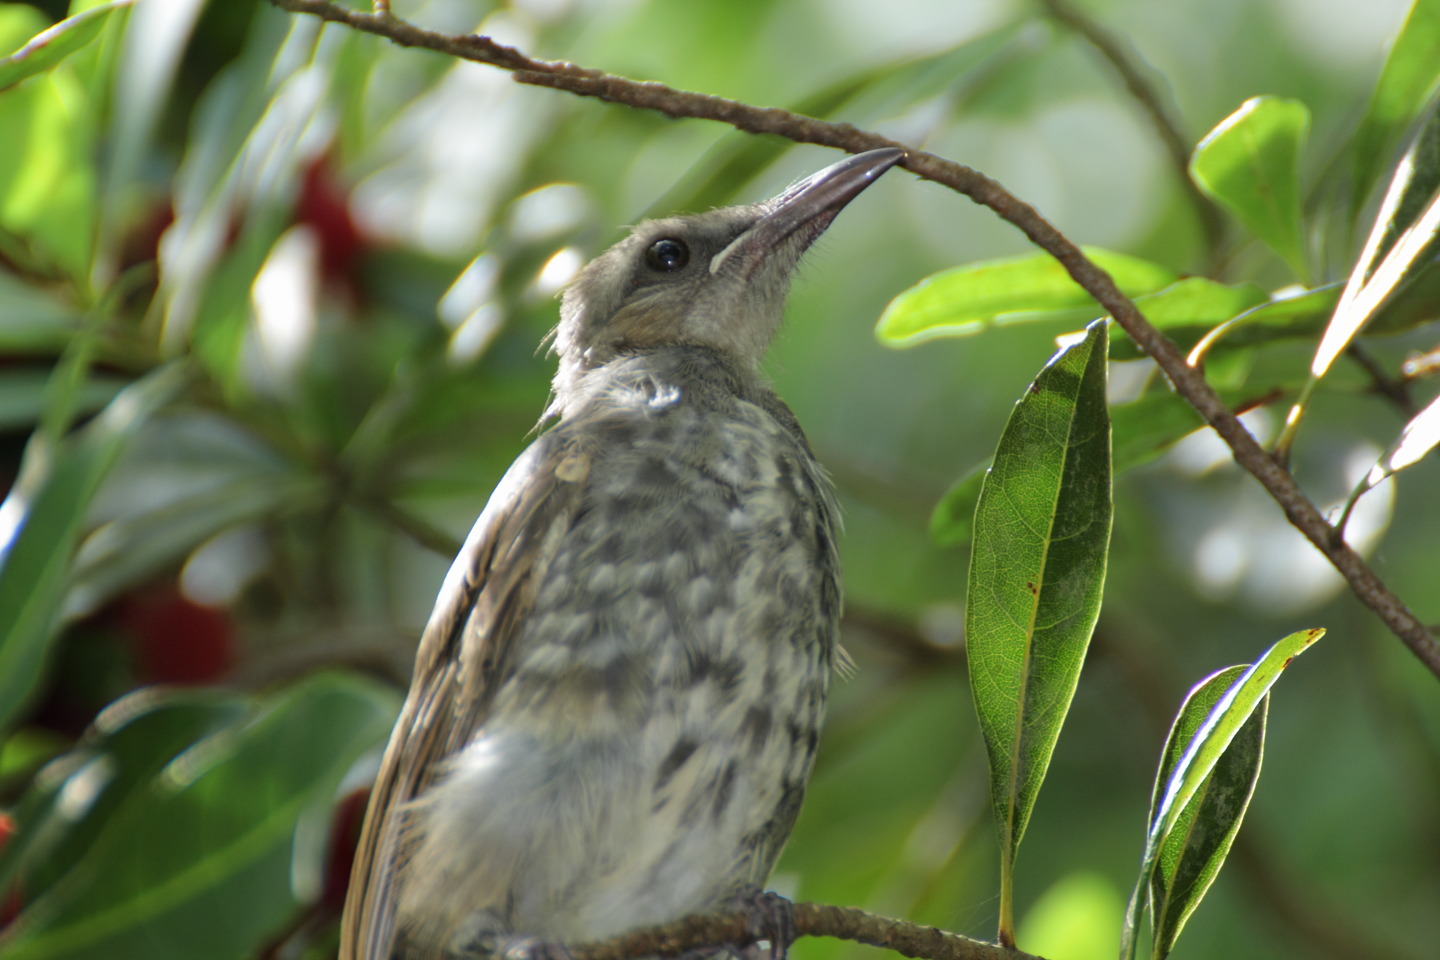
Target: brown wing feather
[487, 594]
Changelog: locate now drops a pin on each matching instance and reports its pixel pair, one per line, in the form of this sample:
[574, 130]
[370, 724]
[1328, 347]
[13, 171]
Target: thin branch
[811, 919]
[1176, 148]
[1188, 382]
[1381, 383]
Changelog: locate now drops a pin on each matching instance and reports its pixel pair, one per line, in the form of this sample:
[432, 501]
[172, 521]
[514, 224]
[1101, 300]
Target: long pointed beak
[805, 209]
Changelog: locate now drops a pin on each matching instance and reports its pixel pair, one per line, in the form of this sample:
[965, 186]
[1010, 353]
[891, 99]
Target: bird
[617, 698]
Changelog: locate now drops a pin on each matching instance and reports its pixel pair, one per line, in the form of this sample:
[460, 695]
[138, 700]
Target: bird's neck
[691, 371]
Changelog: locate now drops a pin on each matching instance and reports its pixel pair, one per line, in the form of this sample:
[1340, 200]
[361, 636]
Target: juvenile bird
[617, 698]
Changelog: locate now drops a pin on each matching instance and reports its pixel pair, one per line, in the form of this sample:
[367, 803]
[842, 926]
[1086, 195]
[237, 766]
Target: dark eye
[667, 254]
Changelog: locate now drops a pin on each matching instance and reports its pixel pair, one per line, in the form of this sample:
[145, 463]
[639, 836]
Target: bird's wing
[486, 596]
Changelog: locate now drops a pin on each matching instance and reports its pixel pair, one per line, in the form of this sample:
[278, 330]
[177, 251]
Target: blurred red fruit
[174, 640]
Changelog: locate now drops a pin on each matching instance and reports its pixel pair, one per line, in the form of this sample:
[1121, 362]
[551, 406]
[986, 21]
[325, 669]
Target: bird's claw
[771, 919]
[533, 948]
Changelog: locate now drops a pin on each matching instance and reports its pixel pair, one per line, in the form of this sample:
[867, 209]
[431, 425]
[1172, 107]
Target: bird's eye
[667, 254]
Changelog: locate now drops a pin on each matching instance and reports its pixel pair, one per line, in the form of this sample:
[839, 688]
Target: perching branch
[1188, 382]
[811, 919]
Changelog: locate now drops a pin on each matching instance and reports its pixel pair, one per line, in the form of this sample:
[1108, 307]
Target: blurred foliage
[270, 297]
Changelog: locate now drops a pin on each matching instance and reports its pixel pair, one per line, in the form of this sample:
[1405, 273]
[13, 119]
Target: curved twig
[811, 919]
[1188, 382]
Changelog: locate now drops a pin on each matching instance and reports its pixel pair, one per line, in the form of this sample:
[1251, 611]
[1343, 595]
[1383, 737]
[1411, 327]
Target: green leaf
[22, 397]
[42, 523]
[1401, 246]
[1298, 315]
[36, 322]
[1203, 751]
[70, 801]
[1191, 855]
[47, 175]
[953, 519]
[1188, 309]
[1145, 428]
[1420, 436]
[1409, 78]
[55, 44]
[213, 828]
[1250, 164]
[1141, 430]
[131, 549]
[1042, 529]
[968, 300]
[208, 268]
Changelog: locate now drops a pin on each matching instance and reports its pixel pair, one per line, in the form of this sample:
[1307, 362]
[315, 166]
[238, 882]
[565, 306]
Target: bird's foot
[771, 921]
[532, 948]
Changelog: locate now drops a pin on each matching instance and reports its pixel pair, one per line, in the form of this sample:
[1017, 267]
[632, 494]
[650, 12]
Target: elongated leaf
[58, 820]
[1420, 436]
[213, 828]
[1191, 855]
[55, 44]
[1250, 164]
[1299, 315]
[1188, 309]
[47, 176]
[1401, 245]
[953, 519]
[1141, 430]
[35, 321]
[1042, 529]
[21, 392]
[43, 524]
[1409, 78]
[1146, 428]
[967, 300]
[127, 551]
[1222, 725]
[1204, 750]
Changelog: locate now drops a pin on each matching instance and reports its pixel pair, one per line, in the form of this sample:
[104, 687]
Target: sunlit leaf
[47, 173]
[967, 300]
[1193, 852]
[55, 44]
[1203, 751]
[1401, 245]
[1189, 308]
[1250, 164]
[1295, 315]
[1420, 436]
[1409, 78]
[1042, 530]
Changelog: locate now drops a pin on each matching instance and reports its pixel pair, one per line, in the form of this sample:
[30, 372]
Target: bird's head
[715, 279]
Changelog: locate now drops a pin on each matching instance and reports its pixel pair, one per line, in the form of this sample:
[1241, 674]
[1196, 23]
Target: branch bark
[1187, 381]
[811, 919]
